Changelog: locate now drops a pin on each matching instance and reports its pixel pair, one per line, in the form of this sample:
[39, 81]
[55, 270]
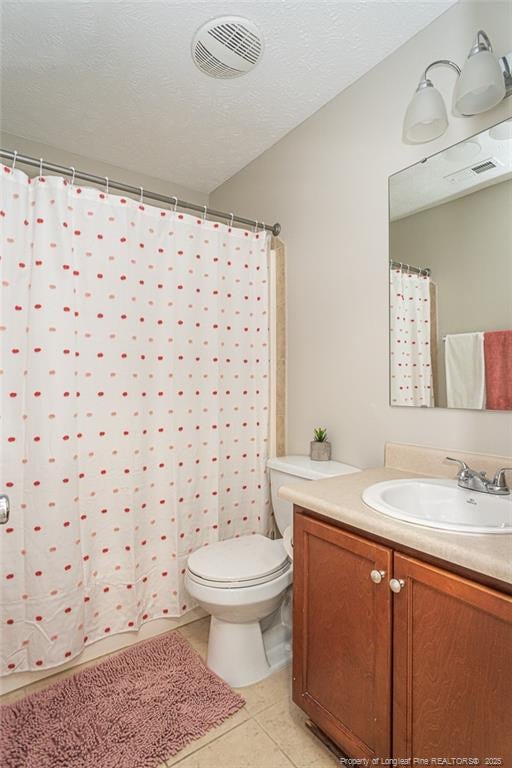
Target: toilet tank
[285, 470]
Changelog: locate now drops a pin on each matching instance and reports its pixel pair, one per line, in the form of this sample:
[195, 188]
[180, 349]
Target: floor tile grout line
[230, 730]
[263, 709]
[212, 741]
[281, 747]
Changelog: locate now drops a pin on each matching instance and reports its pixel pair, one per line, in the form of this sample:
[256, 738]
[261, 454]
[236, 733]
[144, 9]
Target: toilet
[245, 584]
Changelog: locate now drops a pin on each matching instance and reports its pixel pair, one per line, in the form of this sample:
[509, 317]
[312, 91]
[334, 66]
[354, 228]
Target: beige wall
[98, 168]
[467, 243]
[326, 182]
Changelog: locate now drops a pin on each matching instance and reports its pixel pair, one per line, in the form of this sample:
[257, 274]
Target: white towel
[465, 370]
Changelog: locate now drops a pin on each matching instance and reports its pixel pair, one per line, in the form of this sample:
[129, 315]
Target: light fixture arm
[425, 82]
[482, 43]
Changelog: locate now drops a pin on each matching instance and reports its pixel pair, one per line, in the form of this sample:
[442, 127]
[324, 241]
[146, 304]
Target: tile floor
[268, 732]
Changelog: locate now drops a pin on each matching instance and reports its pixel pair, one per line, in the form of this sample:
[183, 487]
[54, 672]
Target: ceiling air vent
[227, 47]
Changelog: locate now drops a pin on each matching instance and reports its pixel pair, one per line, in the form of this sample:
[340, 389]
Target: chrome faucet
[478, 481]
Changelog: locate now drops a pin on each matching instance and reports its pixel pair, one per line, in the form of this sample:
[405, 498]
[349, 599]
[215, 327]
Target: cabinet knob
[396, 585]
[377, 576]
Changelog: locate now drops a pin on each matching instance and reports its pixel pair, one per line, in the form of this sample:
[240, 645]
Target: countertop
[339, 498]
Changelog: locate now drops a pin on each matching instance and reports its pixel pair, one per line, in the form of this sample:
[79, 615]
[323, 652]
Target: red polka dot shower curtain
[410, 331]
[134, 383]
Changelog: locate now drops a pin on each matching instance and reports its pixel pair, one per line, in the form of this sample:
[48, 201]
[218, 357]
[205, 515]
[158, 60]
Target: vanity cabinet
[422, 672]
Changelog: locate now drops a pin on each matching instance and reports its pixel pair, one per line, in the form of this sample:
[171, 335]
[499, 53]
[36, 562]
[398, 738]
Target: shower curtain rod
[415, 270]
[103, 180]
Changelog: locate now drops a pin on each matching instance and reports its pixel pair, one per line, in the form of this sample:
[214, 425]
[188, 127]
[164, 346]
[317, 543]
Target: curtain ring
[72, 176]
[141, 200]
[231, 218]
[205, 212]
[263, 227]
[40, 167]
[173, 197]
[255, 226]
[14, 156]
[106, 185]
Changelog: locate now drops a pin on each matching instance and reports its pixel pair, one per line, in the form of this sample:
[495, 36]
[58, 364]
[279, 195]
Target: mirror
[450, 295]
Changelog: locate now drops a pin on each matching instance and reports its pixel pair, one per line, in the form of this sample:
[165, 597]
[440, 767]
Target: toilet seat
[238, 583]
[241, 562]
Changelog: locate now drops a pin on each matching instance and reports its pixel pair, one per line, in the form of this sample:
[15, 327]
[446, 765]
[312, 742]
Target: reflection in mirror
[450, 244]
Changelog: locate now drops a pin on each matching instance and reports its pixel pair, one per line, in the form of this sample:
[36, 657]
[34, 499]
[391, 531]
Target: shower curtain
[410, 347]
[134, 383]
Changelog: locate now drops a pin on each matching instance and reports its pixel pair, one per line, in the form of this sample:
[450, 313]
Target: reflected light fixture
[463, 152]
[502, 131]
[483, 82]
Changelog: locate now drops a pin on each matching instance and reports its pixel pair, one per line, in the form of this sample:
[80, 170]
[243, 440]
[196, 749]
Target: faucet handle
[499, 481]
[464, 468]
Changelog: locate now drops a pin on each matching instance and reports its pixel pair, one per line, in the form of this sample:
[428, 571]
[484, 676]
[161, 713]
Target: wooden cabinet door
[342, 636]
[452, 679]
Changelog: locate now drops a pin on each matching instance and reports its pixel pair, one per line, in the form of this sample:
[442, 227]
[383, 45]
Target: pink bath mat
[133, 710]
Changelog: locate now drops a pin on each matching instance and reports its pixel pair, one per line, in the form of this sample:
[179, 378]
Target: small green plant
[320, 435]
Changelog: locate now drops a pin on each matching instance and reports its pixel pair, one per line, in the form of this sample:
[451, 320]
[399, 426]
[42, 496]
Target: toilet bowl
[241, 582]
[245, 584]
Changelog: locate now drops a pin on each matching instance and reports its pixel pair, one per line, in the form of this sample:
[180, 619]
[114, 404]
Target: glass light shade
[426, 117]
[480, 86]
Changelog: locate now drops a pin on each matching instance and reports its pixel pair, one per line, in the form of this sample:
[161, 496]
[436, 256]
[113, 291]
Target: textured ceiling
[115, 80]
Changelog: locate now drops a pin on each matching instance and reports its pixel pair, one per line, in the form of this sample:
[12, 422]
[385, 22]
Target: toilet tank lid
[307, 469]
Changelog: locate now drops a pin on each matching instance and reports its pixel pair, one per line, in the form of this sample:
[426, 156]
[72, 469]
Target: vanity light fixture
[481, 85]
[483, 82]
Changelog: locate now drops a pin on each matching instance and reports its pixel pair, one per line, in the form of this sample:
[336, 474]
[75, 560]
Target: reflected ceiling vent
[483, 167]
[466, 174]
[227, 47]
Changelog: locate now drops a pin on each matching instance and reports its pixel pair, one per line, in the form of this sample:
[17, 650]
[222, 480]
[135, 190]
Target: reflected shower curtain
[410, 347]
[135, 365]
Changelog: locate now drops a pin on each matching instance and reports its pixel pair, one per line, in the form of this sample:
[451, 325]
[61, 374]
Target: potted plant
[320, 448]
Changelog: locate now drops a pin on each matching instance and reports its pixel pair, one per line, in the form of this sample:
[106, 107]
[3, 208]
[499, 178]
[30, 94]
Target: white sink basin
[441, 504]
